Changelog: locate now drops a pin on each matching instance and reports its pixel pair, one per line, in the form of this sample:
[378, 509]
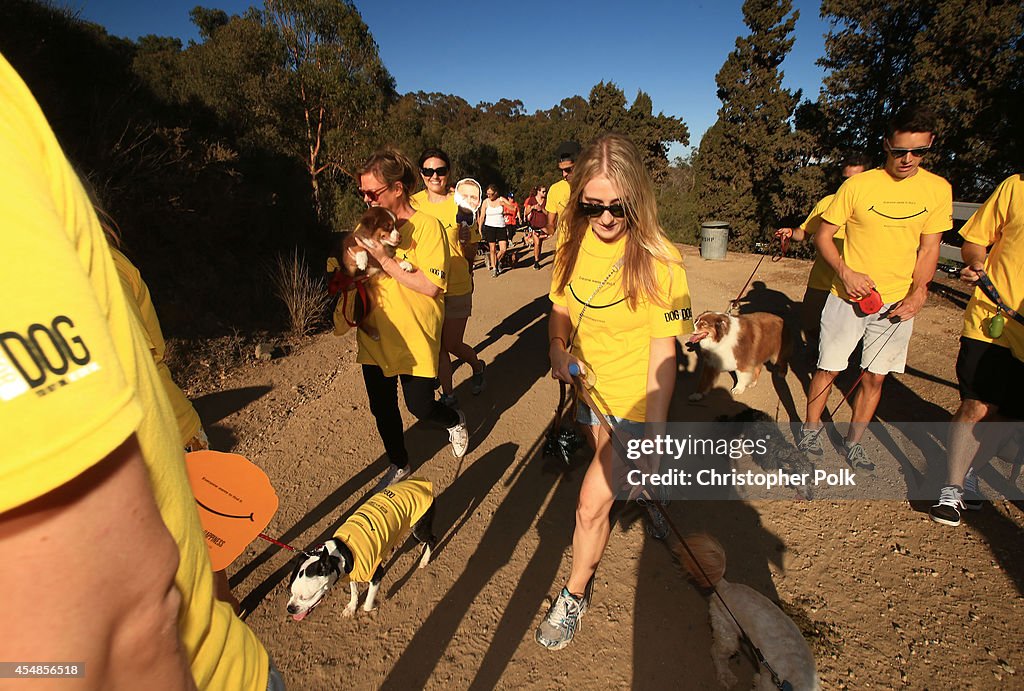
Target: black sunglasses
[567, 171]
[916, 153]
[592, 210]
[429, 172]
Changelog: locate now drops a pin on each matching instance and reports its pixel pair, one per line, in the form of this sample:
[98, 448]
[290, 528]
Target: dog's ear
[721, 325]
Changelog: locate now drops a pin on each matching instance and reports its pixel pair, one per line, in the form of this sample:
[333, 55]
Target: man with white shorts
[894, 217]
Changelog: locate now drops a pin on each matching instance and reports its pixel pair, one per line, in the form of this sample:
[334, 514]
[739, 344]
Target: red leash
[343, 283]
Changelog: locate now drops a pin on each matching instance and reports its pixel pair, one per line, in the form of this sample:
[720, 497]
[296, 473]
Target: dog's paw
[348, 612]
[737, 390]
[362, 260]
[406, 266]
[696, 396]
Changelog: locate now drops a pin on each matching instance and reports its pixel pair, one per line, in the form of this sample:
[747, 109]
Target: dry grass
[304, 297]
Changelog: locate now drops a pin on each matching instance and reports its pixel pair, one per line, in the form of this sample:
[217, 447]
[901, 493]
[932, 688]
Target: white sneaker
[459, 436]
[392, 475]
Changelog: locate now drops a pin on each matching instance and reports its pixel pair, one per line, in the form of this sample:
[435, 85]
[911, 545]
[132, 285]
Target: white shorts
[843, 327]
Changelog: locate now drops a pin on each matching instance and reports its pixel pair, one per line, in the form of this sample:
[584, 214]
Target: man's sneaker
[972, 498]
[391, 476]
[562, 621]
[459, 436]
[449, 400]
[477, 380]
[536, 265]
[810, 440]
[857, 457]
[951, 503]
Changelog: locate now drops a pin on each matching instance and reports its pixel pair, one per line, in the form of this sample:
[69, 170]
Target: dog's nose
[292, 609]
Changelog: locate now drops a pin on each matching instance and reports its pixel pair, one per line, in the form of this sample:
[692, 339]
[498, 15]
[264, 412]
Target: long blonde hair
[617, 158]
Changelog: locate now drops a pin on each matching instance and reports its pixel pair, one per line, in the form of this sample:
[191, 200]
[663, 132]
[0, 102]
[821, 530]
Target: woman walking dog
[408, 314]
[618, 286]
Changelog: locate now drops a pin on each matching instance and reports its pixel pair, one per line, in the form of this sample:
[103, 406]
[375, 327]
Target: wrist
[557, 343]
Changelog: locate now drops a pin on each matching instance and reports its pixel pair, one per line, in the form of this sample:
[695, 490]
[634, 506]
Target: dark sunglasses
[592, 210]
[429, 172]
[372, 195]
[567, 171]
[916, 153]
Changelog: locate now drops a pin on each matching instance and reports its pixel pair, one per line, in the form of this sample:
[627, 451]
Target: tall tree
[745, 158]
[341, 87]
[963, 59]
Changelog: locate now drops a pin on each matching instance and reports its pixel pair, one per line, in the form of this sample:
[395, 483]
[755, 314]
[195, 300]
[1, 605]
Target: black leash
[776, 256]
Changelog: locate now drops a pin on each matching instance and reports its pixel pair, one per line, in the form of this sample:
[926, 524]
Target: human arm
[857, 285]
[413, 280]
[924, 270]
[974, 256]
[796, 234]
[559, 331]
[95, 566]
[661, 378]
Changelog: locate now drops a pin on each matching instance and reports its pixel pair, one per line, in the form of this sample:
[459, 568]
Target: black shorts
[495, 234]
[989, 373]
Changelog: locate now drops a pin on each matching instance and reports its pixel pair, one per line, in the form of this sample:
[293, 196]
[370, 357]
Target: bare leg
[817, 397]
[452, 334]
[502, 248]
[590, 537]
[865, 402]
[964, 442]
[490, 246]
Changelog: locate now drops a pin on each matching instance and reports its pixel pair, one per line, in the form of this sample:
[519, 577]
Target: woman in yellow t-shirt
[620, 299]
[408, 310]
[438, 200]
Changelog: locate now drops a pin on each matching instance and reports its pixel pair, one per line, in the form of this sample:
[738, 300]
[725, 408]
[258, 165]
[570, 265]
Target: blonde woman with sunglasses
[618, 286]
[438, 200]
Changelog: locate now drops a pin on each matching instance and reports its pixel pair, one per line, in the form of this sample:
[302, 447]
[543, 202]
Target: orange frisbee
[236, 502]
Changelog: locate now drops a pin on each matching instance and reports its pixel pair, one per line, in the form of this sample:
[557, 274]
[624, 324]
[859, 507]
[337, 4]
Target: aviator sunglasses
[430, 172]
[916, 153]
[592, 210]
[372, 195]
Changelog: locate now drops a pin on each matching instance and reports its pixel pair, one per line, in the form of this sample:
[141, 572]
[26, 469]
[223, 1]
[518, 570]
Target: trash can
[714, 239]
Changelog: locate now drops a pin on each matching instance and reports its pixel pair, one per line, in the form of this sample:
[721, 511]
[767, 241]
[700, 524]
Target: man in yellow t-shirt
[819, 282]
[558, 196]
[894, 218]
[990, 366]
[94, 467]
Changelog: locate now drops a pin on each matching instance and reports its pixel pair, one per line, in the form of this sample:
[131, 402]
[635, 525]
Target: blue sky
[539, 52]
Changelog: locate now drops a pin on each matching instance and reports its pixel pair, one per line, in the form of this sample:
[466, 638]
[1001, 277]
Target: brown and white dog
[376, 227]
[739, 344]
[768, 627]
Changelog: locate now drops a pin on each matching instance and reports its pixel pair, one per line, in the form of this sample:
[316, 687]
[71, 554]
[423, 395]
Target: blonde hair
[617, 158]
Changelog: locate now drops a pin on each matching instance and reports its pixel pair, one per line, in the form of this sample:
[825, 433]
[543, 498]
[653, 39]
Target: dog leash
[620, 449]
[995, 328]
[282, 544]
[342, 285]
[776, 256]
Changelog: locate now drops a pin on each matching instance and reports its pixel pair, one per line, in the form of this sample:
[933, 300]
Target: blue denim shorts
[586, 416]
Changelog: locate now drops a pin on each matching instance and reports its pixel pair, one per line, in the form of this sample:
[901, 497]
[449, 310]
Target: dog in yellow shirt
[361, 544]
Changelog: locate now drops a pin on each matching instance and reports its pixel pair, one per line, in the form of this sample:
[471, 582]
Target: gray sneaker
[972, 498]
[459, 436]
[392, 475]
[810, 440]
[477, 380]
[857, 457]
[562, 621]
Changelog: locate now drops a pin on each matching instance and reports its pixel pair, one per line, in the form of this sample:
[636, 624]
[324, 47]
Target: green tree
[961, 58]
[749, 154]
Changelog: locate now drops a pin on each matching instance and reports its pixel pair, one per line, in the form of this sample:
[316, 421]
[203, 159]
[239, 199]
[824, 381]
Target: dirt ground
[885, 597]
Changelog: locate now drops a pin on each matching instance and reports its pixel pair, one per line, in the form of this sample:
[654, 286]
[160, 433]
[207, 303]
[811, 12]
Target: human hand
[561, 359]
[783, 233]
[908, 307]
[972, 272]
[374, 249]
[857, 285]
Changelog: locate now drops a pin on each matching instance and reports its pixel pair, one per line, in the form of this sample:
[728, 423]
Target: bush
[304, 297]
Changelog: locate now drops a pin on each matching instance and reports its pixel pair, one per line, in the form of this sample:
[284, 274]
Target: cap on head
[567, 151]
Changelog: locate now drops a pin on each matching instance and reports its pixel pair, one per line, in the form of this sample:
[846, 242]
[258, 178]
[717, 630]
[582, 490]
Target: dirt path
[887, 598]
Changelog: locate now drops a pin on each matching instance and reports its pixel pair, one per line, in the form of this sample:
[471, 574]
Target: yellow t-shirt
[92, 381]
[558, 199]
[613, 340]
[1000, 220]
[460, 280]
[409, 323]
[885, 219]
[141, 304]
[375, 528]
[821, 274]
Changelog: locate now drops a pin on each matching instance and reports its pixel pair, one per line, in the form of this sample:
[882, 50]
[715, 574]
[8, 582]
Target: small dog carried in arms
[376, 227]
[739, 344]
[361, 544]
[767, 626]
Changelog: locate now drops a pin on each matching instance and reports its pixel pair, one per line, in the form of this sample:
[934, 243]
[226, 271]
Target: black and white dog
[361, 544]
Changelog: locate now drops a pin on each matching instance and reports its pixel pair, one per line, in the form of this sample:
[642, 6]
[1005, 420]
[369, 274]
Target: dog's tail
[706, 566]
